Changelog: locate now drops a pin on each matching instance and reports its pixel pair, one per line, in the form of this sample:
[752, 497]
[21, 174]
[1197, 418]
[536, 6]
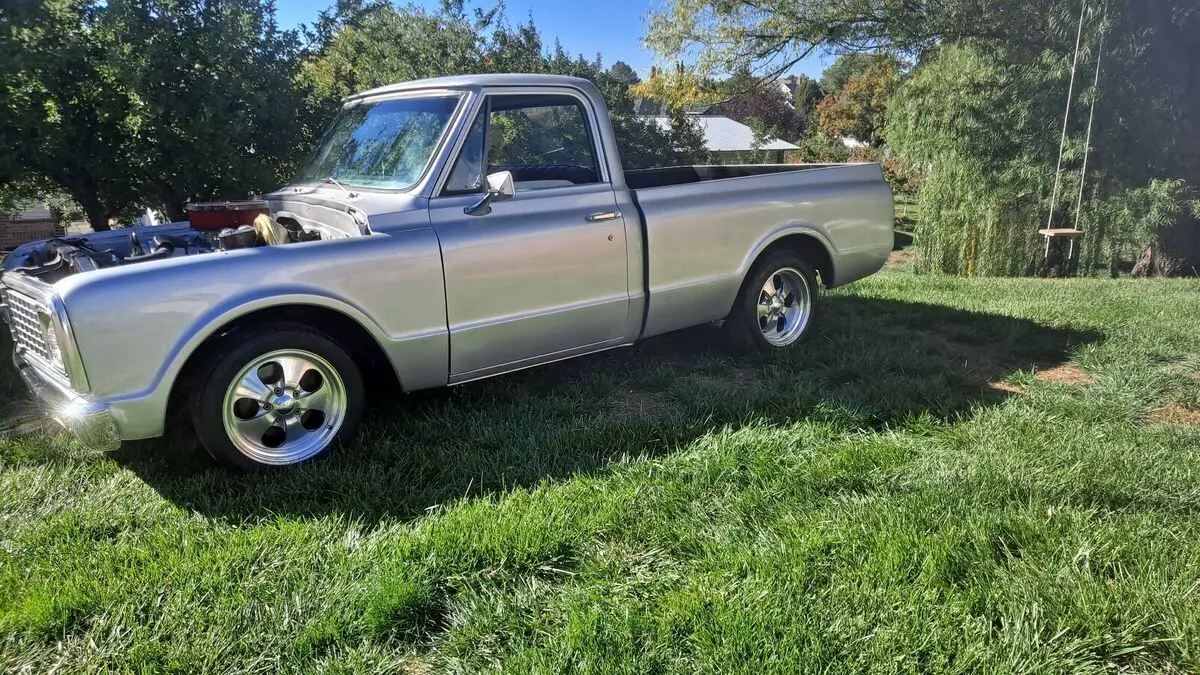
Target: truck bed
[694, 217]
[641, 179]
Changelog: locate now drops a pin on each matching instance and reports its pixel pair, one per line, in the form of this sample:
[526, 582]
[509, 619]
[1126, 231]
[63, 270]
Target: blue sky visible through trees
[612, 28]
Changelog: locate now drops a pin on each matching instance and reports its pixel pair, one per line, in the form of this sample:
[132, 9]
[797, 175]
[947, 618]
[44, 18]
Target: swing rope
[1087, 148]
[1062, 144]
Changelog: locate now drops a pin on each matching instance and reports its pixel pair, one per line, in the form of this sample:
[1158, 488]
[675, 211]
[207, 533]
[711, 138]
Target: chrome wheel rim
[284, 407]
[784, 307]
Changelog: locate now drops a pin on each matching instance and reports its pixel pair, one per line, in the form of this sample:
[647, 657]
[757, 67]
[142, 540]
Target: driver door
[544, 274]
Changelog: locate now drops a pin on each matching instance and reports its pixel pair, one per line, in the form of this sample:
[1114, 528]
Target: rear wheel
[776, 306]
[284, 395]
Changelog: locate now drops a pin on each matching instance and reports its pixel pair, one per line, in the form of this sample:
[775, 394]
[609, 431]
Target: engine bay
[57, 258]
[283, 218]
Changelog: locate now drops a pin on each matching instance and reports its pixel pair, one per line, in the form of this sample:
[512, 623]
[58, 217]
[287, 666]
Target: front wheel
[284, 395]
[776, 306]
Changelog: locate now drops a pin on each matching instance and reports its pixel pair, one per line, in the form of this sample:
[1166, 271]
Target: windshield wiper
[331, 179]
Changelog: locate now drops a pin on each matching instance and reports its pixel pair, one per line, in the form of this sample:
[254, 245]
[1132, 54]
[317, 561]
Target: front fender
[210, 323]
[138, 325]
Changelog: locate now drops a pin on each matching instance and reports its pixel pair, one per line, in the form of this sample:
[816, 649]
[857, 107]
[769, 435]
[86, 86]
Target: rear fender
[778, 234]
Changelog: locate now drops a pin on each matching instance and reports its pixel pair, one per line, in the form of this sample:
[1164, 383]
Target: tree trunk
[97, 216]
[176, 211]
[1176, 252]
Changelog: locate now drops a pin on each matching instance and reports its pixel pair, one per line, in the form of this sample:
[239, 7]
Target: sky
[612, 28]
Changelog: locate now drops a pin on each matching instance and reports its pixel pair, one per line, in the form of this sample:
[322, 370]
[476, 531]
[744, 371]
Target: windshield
[380, 145]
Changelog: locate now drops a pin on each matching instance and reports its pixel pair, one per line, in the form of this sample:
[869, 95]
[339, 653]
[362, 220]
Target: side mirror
[500, 186]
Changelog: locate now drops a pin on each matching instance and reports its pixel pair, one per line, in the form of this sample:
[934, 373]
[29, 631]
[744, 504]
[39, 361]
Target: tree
[147, 102]
[216, 79]
[1149, 94]
[621, 72]
[717, 35]
[763, 106]
[848, 67]
[858, 109]
[971, 119]
[381, 43]
[68, 116]
[806, 95]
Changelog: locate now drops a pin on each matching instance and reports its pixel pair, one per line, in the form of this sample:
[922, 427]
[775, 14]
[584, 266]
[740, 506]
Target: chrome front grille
[32, 331]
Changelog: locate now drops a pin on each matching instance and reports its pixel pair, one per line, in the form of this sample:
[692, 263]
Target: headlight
[53, 350]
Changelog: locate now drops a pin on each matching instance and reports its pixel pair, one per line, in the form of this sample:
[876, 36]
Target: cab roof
[477, 81]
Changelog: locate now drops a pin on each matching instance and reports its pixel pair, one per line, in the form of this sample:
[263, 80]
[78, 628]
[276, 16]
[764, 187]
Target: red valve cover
[214, 216]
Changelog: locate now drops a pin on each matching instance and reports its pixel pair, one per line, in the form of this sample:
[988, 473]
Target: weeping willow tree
[982, 113]
[984, 119]
[986, 158]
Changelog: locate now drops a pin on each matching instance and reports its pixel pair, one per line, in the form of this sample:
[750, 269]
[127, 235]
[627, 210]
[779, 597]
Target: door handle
[603, 216]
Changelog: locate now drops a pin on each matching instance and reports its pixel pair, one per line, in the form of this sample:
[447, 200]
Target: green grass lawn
[923, 488]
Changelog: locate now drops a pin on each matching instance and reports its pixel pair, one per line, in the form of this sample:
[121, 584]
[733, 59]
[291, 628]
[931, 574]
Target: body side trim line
[545, 359]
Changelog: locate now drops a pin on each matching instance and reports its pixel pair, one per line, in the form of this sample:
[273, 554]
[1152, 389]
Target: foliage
[720, 36]
[222, 116]
[807, 94]
[822, 148]
[996, 172]
[135, 102]
[380, 44]
[850, 66]
[69, 114]
[1132, 220]
[982, 119]
[905, 178]
[677, 88]
[857, 110]
[762, 105]
[18, 193]
[983, 198]
[623, 73]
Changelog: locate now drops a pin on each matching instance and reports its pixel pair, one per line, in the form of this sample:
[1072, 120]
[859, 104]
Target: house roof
[29, 211]
[722, 134]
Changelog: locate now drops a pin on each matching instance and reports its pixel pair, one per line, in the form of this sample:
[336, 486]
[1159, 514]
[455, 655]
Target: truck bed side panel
[703, 237]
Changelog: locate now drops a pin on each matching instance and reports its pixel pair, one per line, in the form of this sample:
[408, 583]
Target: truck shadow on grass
[873, 364]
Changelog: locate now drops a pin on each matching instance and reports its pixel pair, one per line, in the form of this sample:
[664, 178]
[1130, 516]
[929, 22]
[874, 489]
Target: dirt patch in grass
[1178, 415]
[1068, 375]
[1006, 387]
[904, 258]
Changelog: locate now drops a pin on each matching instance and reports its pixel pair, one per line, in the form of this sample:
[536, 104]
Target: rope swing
[1073, 233]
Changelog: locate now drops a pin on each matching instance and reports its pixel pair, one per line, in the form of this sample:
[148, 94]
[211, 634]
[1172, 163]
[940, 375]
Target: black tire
[239, 352]
[744, 327]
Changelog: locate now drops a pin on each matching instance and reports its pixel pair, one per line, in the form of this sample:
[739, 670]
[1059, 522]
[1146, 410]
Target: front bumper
[90, 422]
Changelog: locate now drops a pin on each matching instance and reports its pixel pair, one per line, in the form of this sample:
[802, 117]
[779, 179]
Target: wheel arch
[362, 346]
[807, 244]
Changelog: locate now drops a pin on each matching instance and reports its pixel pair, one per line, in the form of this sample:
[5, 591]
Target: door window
[544, 140]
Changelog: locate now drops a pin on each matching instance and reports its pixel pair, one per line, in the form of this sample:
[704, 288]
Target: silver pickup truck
[443, 231]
